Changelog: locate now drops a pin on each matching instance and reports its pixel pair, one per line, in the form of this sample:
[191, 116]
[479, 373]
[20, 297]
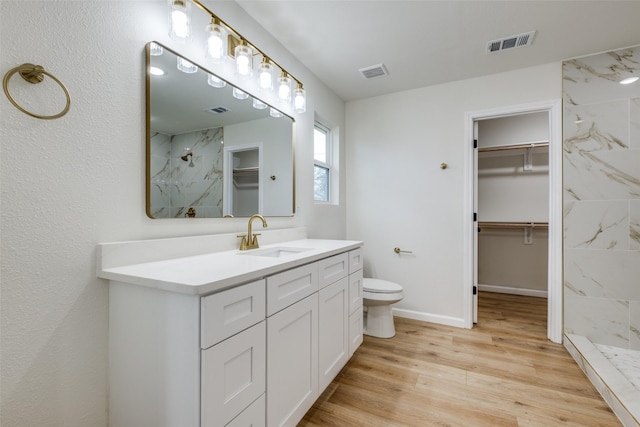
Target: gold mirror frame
[173, 114]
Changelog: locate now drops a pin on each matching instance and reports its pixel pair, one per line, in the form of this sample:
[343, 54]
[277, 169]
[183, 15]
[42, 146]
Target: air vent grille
[217, 110]
[374, 71]
[519, 40]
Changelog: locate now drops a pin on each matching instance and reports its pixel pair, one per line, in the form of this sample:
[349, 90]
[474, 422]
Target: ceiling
[424, 43]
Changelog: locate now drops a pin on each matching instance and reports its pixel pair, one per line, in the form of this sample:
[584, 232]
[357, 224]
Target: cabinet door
[233, 375]
[292, 362]
[355, 331]
[333, 328]
[355, 291]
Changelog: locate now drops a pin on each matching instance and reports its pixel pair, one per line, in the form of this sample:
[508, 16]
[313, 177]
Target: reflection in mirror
[210, 154]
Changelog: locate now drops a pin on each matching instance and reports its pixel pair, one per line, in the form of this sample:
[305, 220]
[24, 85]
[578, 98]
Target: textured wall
[70, 183]
[602, 198]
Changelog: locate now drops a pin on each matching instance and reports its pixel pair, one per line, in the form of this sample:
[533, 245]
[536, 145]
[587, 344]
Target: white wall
[70, 183]
[399, 196]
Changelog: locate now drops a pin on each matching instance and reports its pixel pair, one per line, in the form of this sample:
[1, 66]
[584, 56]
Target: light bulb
[243, 55]
[155, 49]
[259, 105]
[215, 81]
[155, 71]
[274, 113]
[216, 46]
[179, 20]
[284, 88]
[265, 77]
[237, 93]
[186, 66]
[299, 100]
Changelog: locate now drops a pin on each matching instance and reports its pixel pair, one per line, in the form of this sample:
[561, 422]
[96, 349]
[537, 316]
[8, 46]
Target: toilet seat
[379, 286]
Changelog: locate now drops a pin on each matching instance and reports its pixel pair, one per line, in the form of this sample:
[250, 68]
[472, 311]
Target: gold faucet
[250, 240]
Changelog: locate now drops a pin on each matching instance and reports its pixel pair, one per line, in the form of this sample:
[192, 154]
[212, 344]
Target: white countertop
[211, 272]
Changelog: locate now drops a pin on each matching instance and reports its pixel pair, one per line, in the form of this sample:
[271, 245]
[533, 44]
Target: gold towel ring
[34, 74]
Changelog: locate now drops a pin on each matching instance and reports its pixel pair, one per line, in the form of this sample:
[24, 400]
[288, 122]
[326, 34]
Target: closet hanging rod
[514, 146]
[513, 224]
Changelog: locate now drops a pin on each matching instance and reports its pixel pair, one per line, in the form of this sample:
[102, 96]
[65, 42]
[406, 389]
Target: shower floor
[625, 361]
[615, 373]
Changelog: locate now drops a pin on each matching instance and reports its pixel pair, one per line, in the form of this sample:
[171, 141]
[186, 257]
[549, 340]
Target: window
[321, 163]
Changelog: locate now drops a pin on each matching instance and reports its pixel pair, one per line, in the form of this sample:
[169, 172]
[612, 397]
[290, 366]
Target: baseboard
[429, 317]
[513, 291]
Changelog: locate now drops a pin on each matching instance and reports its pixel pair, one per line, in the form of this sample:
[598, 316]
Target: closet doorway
[515, 238]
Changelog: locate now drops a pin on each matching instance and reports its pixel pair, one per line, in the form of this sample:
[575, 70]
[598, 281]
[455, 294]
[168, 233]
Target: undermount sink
[277, 252]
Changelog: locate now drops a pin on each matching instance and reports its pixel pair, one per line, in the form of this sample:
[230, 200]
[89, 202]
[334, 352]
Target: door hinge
[475, 290]
[475, 143]
[475, 216]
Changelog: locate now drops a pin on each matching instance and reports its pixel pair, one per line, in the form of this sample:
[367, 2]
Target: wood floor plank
[503, 372]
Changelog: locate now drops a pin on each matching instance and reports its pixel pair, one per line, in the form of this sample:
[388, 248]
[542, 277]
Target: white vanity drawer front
[356, 260]
[333, 269]
[286, 288]
[233, 375]
[229, 312]
[355, 291]
[253, 416]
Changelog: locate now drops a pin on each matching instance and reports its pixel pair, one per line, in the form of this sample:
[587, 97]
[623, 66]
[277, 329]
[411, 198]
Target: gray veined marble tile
[596, 127]
[596, 78]
[603, 175]
[602, 273]
[597, 224]
[601, 320]
[634, 224]
[634, 117]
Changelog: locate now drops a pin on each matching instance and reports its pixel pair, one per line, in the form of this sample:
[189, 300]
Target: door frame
[555, 276]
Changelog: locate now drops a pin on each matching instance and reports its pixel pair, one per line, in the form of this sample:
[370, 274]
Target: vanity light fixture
[242, 51]
[155, 49]
[186, 66]
[216, 41]
[265, 74]
[179, 20]
[239, 94]
[244, 59]
[259, 105]
[216, 82]
[155, 71]
[284, 87]
[629, 80]
[299, 99]
[274, 113]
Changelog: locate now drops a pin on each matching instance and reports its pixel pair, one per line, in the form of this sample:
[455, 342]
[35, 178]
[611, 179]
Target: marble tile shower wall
[601, 174]
[175, 185]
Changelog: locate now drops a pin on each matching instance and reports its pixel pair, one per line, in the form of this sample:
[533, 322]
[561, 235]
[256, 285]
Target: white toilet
[378, 297]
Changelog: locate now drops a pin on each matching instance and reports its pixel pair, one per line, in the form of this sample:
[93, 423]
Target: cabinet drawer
[356, 260]
[332, 269]
[286, 288]
[253, 416]
[355, 291]
[233, 375]
[229, 312]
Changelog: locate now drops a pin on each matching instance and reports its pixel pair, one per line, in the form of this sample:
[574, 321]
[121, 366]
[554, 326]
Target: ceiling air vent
[374, 71]
[519, 40]
[217, 110]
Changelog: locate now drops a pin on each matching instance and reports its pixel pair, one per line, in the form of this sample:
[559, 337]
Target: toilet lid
[380, 286]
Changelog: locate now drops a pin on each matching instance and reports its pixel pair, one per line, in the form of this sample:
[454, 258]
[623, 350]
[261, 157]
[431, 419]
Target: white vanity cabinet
[255, 351]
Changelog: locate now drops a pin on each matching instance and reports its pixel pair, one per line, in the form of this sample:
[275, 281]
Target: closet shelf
[537, 144]
[497, 224]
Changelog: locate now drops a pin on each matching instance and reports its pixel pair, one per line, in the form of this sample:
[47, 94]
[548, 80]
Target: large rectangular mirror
[209, 153]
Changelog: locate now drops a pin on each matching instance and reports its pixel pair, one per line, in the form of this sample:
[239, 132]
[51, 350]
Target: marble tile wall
[601, 174]
[175, 185]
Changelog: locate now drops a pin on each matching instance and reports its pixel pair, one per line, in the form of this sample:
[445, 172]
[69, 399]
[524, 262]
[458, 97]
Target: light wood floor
[503, 372]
